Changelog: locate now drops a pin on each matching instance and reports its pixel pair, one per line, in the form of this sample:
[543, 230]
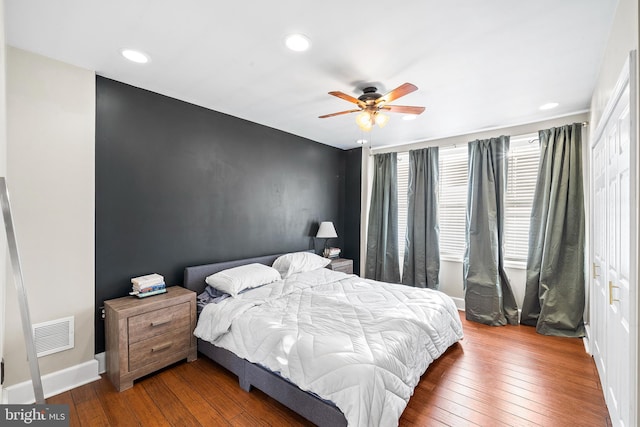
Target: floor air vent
[53, 336]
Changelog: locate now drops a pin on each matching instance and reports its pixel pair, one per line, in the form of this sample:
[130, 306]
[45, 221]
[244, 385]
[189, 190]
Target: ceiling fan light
[364, 121]
[365, 128]
[381, 119]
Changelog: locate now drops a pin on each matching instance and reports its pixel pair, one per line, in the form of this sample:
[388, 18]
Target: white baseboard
[459, 303]
[585, 339]
[53, 383]
[102, 362]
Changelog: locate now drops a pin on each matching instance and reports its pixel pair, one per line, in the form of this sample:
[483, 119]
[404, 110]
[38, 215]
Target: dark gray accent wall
[179, 185]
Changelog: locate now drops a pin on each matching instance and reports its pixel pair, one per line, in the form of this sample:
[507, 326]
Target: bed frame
[316, 410]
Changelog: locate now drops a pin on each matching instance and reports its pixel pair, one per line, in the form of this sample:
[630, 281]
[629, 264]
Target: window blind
[452, 200]
[524, 157]
[403, 185]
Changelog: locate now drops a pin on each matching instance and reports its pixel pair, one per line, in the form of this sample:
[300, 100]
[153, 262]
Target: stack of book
[150, 284]
[332, 252]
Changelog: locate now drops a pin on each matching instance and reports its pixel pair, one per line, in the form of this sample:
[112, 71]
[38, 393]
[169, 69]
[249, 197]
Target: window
[403, 185]
[523, 171]
[524, 156]
[452, 191]
[453, 200]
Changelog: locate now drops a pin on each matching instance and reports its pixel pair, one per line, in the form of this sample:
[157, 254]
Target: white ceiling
[477, 64]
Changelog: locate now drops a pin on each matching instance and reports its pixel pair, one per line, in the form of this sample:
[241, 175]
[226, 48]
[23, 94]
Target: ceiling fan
[371, 104]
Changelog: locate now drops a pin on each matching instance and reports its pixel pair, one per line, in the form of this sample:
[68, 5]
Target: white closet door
[618, 332]
[613, 231]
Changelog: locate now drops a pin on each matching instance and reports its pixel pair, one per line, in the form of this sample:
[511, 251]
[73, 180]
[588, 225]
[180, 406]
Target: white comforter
[359, 343]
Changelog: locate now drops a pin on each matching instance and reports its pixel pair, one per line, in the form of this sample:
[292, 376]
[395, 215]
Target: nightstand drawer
[158, 348]
[154, 323]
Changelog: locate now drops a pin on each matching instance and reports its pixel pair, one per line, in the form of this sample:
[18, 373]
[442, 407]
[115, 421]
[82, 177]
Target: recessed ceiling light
[298, 42]
[135, 56]
[549, 106]
[361, 141]
[408, 117]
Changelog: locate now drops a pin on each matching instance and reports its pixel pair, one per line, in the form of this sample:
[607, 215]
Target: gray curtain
[488, 295]
[555, 292]
[382, 235]
[421, 266]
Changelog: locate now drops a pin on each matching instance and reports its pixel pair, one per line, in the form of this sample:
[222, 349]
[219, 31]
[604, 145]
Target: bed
[313, 400]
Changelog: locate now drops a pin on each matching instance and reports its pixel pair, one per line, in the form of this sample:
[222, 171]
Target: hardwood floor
[496, 376]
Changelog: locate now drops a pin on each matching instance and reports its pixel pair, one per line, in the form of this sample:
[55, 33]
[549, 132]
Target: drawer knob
[161, 347]
[160, 322]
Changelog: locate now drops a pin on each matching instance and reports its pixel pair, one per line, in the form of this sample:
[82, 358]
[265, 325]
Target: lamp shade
[326, 230]
[364, 121]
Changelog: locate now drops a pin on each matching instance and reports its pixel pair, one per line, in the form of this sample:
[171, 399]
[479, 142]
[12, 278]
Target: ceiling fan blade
[402, 109]
[401, 90]
[339, 113]
[346, 97]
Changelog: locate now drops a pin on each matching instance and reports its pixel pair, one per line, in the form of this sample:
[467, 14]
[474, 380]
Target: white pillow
[298, 262]
[236, 279]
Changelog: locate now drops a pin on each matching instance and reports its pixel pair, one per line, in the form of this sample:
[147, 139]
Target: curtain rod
[584, 125]
[454, 145]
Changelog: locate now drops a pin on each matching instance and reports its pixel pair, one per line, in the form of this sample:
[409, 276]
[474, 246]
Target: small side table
[341, 264]
[147, 334]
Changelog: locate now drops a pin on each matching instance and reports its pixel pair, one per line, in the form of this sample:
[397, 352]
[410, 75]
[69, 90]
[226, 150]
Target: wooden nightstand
[147, 334]
[341, 264]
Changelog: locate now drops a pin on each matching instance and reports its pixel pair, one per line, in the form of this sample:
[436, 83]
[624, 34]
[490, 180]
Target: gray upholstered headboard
[194, 276]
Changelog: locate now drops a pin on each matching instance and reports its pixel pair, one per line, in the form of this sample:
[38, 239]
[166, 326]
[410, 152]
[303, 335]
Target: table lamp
[326, 231]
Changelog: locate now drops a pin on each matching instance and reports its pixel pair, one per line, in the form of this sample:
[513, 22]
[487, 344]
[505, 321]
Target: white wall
[623, 39]
[50, 161]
